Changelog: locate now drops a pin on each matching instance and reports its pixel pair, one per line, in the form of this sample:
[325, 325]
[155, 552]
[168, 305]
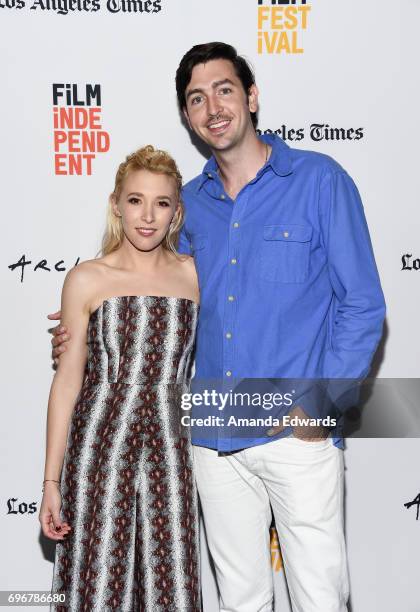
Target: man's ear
[253, 94]
[184, 110]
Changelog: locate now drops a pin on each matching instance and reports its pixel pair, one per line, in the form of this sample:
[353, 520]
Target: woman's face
[146, 206]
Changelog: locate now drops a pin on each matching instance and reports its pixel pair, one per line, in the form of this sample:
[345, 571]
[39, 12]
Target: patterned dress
[127, 483]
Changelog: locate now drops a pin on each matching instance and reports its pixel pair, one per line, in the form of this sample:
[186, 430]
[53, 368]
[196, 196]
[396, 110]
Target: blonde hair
[153, 160]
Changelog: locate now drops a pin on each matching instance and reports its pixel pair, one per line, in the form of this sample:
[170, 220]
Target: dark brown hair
[200, 54]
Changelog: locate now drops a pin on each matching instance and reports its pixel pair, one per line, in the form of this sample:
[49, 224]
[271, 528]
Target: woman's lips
[143, 231]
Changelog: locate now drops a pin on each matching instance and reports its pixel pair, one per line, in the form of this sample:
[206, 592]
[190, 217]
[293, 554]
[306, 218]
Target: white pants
[303, 483]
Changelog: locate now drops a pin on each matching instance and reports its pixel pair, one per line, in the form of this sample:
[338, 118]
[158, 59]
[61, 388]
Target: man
[289, 289]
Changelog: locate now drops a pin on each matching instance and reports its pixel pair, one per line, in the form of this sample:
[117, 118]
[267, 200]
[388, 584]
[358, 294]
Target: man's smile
[219, 127]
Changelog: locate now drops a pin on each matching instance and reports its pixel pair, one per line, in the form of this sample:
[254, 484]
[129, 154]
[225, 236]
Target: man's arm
[359, 307]
[184, 245]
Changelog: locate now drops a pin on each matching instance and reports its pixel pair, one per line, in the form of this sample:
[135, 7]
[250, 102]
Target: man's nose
[214, 106]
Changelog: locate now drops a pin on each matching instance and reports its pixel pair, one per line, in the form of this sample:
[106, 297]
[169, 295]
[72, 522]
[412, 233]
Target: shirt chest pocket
[285, 253]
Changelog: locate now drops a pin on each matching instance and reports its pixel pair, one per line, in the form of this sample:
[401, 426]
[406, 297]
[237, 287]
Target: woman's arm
[68, 379]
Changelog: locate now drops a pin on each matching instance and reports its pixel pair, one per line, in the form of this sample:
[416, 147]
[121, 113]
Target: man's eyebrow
[214, 85]
[217, 84]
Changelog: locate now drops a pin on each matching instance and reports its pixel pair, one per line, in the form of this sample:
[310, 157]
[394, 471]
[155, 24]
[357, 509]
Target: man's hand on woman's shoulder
[80, 274]
[60, 337]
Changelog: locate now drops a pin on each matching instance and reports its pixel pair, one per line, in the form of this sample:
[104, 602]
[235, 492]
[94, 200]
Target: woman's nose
[148, 214]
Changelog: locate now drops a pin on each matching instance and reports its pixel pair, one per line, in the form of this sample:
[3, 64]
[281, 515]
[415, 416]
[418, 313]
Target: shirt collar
[280, 160]
[281, 155]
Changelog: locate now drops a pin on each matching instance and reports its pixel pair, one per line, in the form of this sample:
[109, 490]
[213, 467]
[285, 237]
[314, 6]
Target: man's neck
[238, 166]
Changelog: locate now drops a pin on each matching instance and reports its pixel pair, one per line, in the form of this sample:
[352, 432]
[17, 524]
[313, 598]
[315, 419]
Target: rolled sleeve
[184, 243]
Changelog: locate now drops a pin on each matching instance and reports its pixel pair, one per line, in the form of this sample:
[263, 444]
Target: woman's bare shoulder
[187, 261]
[85, 271]
[85, 279]
[189, 273]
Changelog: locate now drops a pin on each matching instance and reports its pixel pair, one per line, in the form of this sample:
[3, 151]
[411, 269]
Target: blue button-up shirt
[288, 281]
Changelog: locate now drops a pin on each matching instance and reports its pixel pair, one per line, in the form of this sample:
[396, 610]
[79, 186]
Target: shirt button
[228, 335]
[286, 234]
[231, 298]
[236, 225]
[228, 373]
[233, 261]
[223, 197]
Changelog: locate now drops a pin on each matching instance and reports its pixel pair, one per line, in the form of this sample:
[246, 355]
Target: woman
[118, 465]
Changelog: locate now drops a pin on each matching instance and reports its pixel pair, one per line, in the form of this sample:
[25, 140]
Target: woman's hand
[60, 337]
[49, 515]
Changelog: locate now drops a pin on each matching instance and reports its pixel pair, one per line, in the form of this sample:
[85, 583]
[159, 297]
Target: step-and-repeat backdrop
[336, 77]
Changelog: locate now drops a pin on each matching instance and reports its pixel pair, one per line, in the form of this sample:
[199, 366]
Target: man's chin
[216, 143]
[221, 144]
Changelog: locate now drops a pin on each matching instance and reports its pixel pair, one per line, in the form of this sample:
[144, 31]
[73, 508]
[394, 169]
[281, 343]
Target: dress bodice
[143, 340]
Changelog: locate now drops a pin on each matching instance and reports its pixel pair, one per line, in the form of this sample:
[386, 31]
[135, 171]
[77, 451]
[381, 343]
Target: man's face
[217, 107]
